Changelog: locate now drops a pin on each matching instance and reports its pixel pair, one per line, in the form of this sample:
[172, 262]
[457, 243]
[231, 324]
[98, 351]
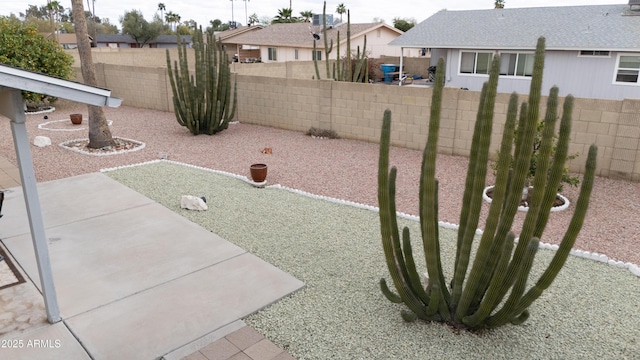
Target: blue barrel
[388, 68]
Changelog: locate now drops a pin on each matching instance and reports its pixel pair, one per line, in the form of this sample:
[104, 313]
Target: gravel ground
[589, 312]
[343, 169]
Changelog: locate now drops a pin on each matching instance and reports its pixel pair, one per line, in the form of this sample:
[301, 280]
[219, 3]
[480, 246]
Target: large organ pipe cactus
[491, 290]
[202, 103]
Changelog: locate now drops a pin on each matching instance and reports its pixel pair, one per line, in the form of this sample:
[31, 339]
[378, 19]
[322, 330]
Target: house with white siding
[294, 41]
[592, 51]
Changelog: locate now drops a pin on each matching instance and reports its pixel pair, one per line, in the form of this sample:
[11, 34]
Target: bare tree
[99, 132]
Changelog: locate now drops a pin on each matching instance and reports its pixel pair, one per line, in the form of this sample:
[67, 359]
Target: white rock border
[137, 148]
[43, 125]
[633, 268]
[52, 109]
[565, 206]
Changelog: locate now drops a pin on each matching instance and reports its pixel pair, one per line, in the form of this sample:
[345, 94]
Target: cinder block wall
[355, 111]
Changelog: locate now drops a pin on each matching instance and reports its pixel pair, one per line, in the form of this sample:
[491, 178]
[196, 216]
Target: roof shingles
[595, 27]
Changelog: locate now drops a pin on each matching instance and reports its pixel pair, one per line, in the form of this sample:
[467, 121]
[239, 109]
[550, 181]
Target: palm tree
[284, 16]
[341, 9]
[162, 8]
[499, 4]
[99, 133]
[306, 15]
[54, 9]
[172, 18]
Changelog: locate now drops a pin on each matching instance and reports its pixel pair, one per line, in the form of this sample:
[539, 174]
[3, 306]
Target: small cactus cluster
[354, 68]
[202, 102]
[491, 290]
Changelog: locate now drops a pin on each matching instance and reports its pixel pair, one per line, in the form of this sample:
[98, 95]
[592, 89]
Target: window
[273, 56]
[593, 53]
[628, 69]
[475, 62]
[317, 55]
[516, 64]
[296, 54]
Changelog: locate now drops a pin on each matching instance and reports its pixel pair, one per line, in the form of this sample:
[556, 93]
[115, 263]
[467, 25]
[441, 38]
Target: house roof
[120, 38]
[594, 27]
[228, 34]
[301, 34]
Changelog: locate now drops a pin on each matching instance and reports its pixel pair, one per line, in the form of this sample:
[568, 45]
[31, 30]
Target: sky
[362, 11]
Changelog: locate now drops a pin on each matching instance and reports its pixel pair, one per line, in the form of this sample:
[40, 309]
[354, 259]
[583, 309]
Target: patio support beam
[12, 99]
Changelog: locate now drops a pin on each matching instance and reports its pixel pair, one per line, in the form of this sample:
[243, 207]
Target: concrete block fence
[355, 111]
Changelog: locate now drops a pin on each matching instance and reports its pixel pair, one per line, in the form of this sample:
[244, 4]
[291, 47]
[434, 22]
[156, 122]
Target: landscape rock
[191, 202]
[41, 141]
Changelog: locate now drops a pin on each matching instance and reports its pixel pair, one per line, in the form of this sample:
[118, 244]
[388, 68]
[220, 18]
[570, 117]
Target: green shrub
[22, 46]
[567, 178]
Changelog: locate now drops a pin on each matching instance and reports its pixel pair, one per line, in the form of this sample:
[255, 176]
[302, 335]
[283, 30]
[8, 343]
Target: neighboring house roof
[114, 38]
[301, 34]
[162, 39]
[595, 27]
[63, 38]
[228, 34]
[171, 39]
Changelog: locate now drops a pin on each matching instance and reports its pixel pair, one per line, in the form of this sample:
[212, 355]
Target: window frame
[318, 54]
[517, 53]
[295, 54]
[475, 62]
[272, 54]
[594, 55]
[617, 69]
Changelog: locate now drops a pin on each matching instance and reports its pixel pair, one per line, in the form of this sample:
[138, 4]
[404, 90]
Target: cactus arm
[349, 71]
[487, 303]
[410, 265]
[557, 168]
[570, 236]
[466, 197]
[427, 190]
[388, 293]
[510, 309]
[522, 158]
[388, 225]
[315, 60]
[485, 124]
[337, 70]
[499, 194]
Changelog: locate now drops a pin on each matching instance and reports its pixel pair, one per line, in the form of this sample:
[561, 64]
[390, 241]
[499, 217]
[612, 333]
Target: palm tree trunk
[99, 132]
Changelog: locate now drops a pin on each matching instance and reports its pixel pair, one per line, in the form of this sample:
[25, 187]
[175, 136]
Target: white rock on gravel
[193, 203]
[41, 141]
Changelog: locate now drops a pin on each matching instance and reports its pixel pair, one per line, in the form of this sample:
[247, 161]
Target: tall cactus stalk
[475, 298]
[342, 70]
[202, 102]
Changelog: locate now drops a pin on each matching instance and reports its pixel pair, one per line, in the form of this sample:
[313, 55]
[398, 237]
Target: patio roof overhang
[12, 82]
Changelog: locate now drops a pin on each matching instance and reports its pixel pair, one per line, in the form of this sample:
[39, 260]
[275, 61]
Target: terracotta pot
[258, 172]
[76, 119]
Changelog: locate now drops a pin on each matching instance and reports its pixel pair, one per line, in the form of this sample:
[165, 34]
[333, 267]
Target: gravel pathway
[343, 169]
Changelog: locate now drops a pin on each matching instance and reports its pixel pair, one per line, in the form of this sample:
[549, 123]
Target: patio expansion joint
[47, 228]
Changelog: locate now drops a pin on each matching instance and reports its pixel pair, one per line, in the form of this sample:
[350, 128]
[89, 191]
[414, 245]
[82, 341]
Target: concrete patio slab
[108, 257]
[162, 319]
[67, 201]
[135, 280]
